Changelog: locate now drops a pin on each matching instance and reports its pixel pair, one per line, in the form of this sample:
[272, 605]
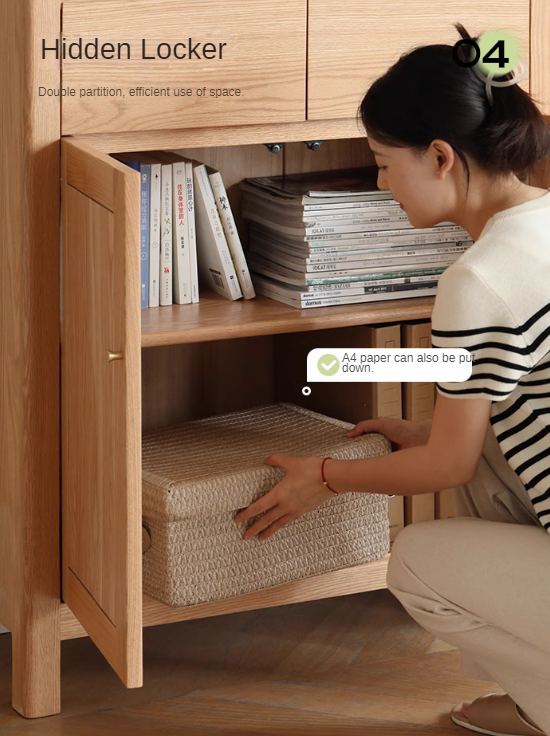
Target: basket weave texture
[197, 475]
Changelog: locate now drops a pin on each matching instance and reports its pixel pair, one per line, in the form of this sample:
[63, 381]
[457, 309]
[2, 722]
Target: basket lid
[214, 465]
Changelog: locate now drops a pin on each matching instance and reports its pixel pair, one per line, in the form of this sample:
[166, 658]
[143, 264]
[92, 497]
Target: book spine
[182, 269]
[340, 290]
[311, 249]
[360, 299]
[365, 239]
[388, 289]
[351, 266]
[336, 217]
[352, 269]
[217, 230]
[154, 240]
[401, 222]
[191, 225]
[311, 217]
[372, 206]
[302, 279]
[351, 286]
[358, 224]
[383, 236]
[133, 165]
[145, 205]
[375, 257]
[345, 249]
[166, 238]
[390, 252]
[232, 235]
[322, 301]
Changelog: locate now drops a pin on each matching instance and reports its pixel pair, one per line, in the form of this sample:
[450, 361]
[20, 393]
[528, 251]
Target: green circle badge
[328, 365]
[499, 52]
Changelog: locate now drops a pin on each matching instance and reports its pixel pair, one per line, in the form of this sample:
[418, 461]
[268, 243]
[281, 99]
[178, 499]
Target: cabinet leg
[36, 668]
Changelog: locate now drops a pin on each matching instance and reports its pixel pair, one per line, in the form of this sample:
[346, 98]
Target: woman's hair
[427, 95]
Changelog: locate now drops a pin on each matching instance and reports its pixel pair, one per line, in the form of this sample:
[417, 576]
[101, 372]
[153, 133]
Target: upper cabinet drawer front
[264, 56]
[353, 42]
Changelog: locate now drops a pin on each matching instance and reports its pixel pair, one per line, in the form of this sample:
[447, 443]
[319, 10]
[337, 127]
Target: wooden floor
[336, 667]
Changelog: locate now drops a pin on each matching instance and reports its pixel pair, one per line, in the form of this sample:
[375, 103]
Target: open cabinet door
[101, 403]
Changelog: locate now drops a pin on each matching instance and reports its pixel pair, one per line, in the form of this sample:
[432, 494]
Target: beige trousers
[481, 582]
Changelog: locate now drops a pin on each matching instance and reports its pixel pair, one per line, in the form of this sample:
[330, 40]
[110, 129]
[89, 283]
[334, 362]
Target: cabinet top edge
[223, 136]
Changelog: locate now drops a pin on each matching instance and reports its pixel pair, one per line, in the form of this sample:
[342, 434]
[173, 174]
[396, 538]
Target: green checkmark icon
[328, 365]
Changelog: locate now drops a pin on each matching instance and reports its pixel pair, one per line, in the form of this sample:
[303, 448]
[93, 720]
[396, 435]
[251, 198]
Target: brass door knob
[115, 356]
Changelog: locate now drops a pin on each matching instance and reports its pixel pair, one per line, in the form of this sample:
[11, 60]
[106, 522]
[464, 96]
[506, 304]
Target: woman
[450, 148]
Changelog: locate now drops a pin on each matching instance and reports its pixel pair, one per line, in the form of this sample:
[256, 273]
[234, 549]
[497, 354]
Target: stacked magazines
[333, 237]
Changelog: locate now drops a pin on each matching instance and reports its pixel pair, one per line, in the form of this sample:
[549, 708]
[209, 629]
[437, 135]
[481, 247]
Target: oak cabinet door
[101, 409]
[353, 42]
[252, 46]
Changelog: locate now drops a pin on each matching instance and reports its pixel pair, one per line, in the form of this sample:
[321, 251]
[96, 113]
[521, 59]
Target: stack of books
[188, 231]
[332, 237]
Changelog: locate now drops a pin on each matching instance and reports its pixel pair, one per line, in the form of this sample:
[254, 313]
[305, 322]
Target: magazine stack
[332, 237]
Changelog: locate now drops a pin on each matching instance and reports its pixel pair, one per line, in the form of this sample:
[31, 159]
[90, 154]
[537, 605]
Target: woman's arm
[450, 458]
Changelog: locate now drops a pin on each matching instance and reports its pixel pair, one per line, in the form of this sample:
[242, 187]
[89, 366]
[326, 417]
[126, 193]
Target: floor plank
[350, 665]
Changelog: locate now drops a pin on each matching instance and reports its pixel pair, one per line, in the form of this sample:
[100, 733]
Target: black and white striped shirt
[495, 302]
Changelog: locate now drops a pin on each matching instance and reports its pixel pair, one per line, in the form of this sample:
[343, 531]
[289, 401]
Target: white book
[215, 264]
[154, 239]
[231, 233]
[182, 263]
[192, 232]
[166, 237]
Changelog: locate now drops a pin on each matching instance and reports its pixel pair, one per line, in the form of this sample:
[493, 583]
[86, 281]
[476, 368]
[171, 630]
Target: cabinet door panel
[264, 56]
[353, 42]
[101, 414]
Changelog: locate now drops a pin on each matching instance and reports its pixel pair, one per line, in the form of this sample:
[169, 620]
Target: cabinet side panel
[29, 354]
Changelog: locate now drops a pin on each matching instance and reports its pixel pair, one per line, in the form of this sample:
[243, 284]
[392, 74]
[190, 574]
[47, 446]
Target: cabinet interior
[195, 380]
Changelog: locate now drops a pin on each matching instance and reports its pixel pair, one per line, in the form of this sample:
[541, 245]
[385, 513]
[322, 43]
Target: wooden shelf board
[217, 318]
[349, 580]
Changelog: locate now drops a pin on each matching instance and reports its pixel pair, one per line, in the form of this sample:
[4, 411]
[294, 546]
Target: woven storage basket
[196, 476]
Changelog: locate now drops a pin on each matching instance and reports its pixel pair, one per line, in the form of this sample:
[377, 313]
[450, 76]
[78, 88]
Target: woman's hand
[400, 432]
[301, 490]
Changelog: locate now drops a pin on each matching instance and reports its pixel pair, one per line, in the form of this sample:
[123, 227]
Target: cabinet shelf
[217, 318]
[347, 581]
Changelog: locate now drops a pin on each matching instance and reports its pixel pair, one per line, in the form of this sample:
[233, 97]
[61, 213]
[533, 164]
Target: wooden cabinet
[352, 42]
[174, 47]
[105, 396]
[222, 359]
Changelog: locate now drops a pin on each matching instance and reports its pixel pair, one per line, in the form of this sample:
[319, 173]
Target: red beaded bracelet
[325, 483]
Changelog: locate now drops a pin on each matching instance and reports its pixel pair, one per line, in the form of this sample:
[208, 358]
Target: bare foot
[465, 706]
